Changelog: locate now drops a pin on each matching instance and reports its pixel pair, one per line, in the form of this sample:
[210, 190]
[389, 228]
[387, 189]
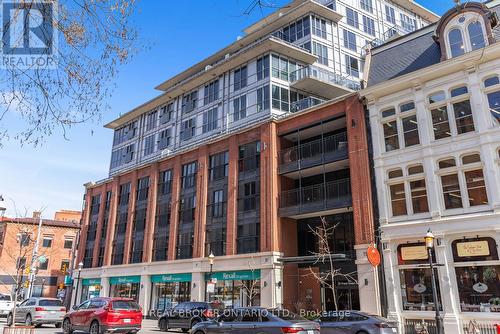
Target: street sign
[42, 259]
[373, 255]
[68, 280]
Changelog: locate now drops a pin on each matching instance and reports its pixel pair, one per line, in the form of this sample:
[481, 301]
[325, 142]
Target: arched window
[456, 42]
[476, 35]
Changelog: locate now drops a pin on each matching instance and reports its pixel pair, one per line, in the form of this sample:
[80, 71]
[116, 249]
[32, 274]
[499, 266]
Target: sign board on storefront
[171, 278]
[473, 248]
[124, 279]
[409, 253]
[235, 275]
[91, 281]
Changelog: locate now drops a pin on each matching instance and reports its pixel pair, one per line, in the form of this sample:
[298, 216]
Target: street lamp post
[211, 259]
[80, 266]
[429, 244]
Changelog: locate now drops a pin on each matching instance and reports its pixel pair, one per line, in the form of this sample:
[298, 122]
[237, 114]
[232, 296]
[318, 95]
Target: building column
[198, 286]
[270, 291]
[232, 196]
[145, 294]
[100, 222]
[174, 208]
[393, 285]
[110, 233]
[82, 239]
[201, 203]
[491, 175]
[151, 213]
[368, 282]
[104, 292]
[130, 218]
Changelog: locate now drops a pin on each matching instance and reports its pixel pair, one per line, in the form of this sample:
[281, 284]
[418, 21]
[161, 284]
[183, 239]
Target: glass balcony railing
[306, 103]
[315, 72]
[319, 197]
[320, 151]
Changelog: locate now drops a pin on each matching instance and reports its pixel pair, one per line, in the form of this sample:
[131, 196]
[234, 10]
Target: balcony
[320, 197]
[318, 152]
[319, 81]
[306, 103]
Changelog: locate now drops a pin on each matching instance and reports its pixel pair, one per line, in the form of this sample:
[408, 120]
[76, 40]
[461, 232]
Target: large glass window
[416, 289]
[280, 98]
[456, 42]
[165, 296]
[263, 100]
[240, 78]
[240, 108]
[210, 120]
[211, 92]
[492, 87]
[126, 290]
[391, 136]
[263, 67]
[350, 40]
[476, 35]
[352, 17]
[319, 27]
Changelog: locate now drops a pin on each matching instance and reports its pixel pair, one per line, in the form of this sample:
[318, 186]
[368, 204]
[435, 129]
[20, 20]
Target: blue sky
[179, 34]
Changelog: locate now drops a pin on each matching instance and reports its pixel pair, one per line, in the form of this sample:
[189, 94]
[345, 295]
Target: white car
[6, 304]
[38, 311]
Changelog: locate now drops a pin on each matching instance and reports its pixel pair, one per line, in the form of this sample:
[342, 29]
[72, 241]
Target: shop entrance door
[347, 298]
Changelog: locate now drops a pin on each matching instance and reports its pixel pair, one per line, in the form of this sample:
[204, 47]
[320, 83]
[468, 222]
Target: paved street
[148, 327]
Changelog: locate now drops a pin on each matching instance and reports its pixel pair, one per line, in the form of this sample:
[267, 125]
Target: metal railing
[418, 326]
[481, 327]
[322, 150]
[317, 197]
[312, 71]
[306, 103]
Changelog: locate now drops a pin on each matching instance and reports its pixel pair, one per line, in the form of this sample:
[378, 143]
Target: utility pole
[34, 257]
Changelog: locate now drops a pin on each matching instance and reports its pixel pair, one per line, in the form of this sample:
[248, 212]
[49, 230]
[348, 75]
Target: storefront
[415, 279]
[125, 286]
[477, 272]
[91, 287]
[234, 288]
[169, 290]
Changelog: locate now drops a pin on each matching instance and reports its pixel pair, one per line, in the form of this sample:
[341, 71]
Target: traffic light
[26, 284]
[27, 269]
[61, 286]
[64, 269]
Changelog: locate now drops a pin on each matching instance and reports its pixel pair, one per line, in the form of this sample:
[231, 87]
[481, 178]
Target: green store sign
[243, 275]
[124, 279]
[91, 281]
[171, 278]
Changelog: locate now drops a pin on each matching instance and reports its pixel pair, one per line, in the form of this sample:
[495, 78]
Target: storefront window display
[234, 289]
[478, 284]
[416, 282]
[168, 291]
[125, 286]
[91, 287]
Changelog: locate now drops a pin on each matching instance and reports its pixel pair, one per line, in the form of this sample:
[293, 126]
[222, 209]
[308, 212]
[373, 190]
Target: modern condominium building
[435, 125]
[240, 155]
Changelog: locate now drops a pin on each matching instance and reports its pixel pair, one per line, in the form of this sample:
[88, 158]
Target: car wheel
[58, 325]
[199, 332]
[67, 328]
[94, 327]
[163, 325]
[28, 321]
[361, 332]
[185, 330]
[9, 320]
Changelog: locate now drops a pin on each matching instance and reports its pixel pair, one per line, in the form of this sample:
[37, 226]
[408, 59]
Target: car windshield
[285, 314]
[125, 305]
[50, 302]
[5, 297]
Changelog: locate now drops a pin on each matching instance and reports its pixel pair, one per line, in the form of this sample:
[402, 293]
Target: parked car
[104, 315]
[37, 311]
[257, 320]
[355, 322]
[186, 315]
[6, 304]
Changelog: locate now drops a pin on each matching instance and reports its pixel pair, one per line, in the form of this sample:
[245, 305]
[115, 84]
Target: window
[188, 179]
[416, 292]
[43, 265]
[391, 136]
[68, 243]
[456, 42]
[142, 188]
[410, 186]
[367, 5]
[368, 25]
[390, 16]
[249, 196]
[210, 120]
[165, 182]
[151, 120]
[352, 18]
[440, 123]
[263, 101]
[240, 108]
[125, 133]
[407, 22]
[218, 166]
[166, 113]
[321, 51]
[165, 138]
[218, 204]
[189, 101]
[24, 239]
[410, 131]
[492, 88]
[295, 30]
[211, 92]
[240, 78]
[318, 27]
[352, 66]
[188, 129]
[47, 242]
[280, 97]
[476, 35]
[405, 118]
[262, 67]
[149, 145]
[249, 157]
[350, 40]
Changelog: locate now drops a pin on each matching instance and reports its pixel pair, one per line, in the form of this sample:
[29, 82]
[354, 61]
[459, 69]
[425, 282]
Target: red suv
[104, 315]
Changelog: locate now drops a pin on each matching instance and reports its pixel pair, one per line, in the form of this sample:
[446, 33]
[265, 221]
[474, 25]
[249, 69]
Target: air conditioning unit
[227, 56]
[208, 67]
